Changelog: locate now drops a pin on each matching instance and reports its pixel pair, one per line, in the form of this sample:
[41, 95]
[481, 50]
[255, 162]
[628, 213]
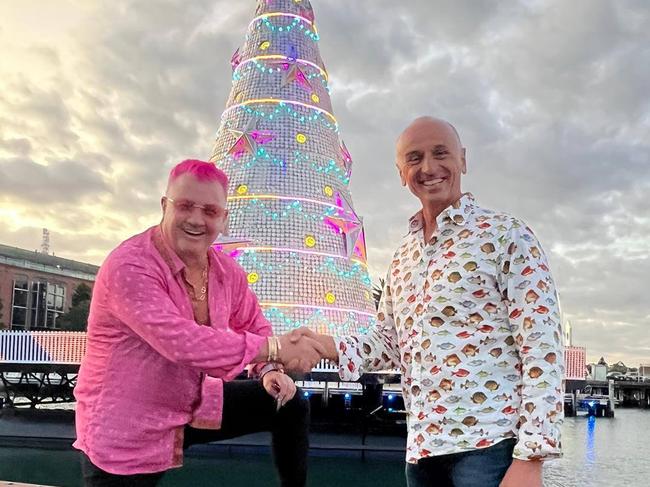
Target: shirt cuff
[537, 447]
[209, 411]
[258, 370]
[350, 364]
[253, 344]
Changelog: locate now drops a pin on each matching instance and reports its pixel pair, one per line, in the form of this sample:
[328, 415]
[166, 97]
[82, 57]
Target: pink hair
[201, 170]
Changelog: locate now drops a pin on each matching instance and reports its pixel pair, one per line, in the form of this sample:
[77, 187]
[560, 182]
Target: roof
[23, 258]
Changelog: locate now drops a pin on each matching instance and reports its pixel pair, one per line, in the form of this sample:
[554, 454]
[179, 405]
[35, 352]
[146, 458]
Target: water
[61, 468]
[598, 452]
[604, 451]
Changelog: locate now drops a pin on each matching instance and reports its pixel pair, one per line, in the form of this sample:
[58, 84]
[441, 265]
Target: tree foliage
[81, 293]
[76, 318]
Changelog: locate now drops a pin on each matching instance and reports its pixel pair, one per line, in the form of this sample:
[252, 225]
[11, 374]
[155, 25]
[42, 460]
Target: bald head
[431, 161]
[427, 124]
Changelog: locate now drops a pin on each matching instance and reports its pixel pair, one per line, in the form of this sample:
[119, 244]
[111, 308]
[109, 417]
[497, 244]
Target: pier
[601, 398]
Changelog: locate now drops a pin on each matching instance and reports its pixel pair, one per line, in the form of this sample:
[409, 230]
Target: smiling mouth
[193, 233]
[432, 182]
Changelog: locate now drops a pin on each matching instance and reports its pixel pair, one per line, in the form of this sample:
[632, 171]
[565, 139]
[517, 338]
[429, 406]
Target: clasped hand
[300, 350]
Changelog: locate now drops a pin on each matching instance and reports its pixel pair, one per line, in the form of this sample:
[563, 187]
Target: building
[575, 362]
[35, 288]
[600, 372]
[644, 370]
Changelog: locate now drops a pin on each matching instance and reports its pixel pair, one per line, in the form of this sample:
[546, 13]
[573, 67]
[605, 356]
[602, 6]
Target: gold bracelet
[269, 345]
[274, 348]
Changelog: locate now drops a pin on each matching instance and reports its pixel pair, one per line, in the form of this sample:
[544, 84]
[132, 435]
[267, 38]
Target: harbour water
[598, 452]
[602, 452]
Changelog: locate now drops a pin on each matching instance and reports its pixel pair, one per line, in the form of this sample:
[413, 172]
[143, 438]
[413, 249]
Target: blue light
[306, 394]
[390, 397]
[347, 395]
[390, 410]
[592, 403]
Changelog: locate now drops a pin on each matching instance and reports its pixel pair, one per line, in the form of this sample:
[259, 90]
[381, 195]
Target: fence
[42, 347]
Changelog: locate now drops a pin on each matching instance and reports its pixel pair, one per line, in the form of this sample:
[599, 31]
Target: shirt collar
[457, 213]
[169, 256]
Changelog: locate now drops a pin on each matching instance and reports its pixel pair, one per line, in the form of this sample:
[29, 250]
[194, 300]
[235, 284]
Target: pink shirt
[149, 368]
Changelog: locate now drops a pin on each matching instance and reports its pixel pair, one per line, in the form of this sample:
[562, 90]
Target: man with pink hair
[171, 322]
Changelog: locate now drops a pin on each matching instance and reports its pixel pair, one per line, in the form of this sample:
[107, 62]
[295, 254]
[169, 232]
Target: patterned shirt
[472, 321]
[150, 368]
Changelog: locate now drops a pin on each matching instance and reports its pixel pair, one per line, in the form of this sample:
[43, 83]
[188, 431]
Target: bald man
[470, 315]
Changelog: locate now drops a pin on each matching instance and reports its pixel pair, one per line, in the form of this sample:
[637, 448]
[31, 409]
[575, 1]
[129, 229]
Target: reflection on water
[603, 451]
[590, 456]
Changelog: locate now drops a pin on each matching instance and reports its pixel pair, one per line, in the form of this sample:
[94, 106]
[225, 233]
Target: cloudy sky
[99, 99]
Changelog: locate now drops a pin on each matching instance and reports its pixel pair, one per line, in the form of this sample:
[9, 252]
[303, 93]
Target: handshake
[301, 349]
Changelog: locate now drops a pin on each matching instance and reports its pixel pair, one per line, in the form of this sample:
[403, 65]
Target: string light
[272, 101]
[243, 196]
[320, 321]
[265, 57]
[297, 22]
[310, 306]
[302, 251]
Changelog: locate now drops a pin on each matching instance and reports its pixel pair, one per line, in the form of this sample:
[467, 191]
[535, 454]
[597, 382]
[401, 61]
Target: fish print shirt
[472, 321]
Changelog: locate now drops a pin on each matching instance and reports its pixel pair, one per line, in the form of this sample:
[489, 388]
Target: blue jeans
[475, 468]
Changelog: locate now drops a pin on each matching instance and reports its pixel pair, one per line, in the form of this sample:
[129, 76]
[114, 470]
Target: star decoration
[232, 246]
[360, 246]
[248, 138]
[307, 14]
[347, 223]
[292, 70]
[235, 60]
[347, 159]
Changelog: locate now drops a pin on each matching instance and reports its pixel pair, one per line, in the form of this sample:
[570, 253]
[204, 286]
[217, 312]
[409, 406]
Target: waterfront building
[644, 371]
[575, 359]
[35, 287]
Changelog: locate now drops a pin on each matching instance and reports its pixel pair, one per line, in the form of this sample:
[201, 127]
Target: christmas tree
[293, 227]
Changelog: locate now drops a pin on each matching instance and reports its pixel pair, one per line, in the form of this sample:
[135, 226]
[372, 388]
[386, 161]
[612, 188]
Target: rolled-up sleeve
[138, 298]
[530, 293]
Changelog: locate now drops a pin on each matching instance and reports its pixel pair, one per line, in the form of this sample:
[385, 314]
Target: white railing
[42, 347]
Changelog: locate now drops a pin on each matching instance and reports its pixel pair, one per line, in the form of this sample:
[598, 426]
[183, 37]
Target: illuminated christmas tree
[293, 227]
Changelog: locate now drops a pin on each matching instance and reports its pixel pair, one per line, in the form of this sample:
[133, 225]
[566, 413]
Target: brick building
[36, 288]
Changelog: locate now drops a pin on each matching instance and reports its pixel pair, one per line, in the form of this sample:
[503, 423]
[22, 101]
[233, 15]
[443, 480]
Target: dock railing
[42, 347]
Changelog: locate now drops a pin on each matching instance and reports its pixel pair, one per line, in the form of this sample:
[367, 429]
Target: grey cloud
[19, 146]
[69, 181]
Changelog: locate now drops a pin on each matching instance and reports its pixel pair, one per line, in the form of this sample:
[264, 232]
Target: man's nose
[196, 216]
[429, 164]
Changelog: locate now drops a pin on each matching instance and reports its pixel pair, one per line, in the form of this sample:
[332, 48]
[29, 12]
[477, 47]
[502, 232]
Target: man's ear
[226, 225]
[463, 158]
[401, 174]
[163, 204]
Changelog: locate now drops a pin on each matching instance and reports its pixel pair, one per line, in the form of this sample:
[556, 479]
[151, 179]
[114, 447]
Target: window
[37, 304]
[54, 303]
[19, 303]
